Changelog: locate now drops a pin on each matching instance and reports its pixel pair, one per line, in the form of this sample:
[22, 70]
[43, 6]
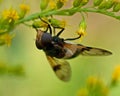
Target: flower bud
[103, 4]
[77, 3]
[116, 7]
[60, 3]
[81, 31]
[44, 4]
[109, 4]
[57, 23]
[39, 24]
[84, 2]
[23, 10]
[106, 4]
[97, 2]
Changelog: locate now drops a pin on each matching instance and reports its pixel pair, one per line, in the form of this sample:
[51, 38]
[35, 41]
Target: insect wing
[73, 50]
[61, 68]
[91, 51]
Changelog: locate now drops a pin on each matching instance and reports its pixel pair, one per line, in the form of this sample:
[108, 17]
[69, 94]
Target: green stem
[104, 12]
[67, 12]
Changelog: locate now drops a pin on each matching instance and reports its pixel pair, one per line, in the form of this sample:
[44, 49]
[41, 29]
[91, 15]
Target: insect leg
[73, 38]
[49, 27]
[62, 29]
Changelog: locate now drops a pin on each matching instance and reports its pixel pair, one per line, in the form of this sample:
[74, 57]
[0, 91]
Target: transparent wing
[73, 50]
[91, 51]
[61, 68]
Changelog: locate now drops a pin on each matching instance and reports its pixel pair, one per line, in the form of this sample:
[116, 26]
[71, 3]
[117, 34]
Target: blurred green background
[39, 79]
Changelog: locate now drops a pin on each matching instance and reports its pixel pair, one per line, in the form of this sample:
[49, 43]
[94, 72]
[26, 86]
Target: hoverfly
[57, 49]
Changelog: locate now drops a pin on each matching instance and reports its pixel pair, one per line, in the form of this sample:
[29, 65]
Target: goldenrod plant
[48, 10]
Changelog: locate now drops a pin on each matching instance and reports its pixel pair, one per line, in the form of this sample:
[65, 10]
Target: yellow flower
[116, 74]
[24, 8]
[83, 92]
[82, 28]
[10, 15]
[92, 81]
[97, 86]
[105, 91]
[81, 31]
[7, 38]
[52, 4]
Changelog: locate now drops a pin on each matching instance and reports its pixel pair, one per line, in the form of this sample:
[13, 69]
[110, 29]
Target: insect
[58, 49]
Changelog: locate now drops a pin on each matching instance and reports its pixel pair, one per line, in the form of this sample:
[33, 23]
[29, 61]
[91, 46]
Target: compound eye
[46, 39]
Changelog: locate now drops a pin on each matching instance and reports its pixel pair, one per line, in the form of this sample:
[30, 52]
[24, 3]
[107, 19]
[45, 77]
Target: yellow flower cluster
[8, 20]
[10, 15]
[95, 87]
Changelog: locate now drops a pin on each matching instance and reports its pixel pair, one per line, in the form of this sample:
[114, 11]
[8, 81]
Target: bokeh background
[39, 79]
